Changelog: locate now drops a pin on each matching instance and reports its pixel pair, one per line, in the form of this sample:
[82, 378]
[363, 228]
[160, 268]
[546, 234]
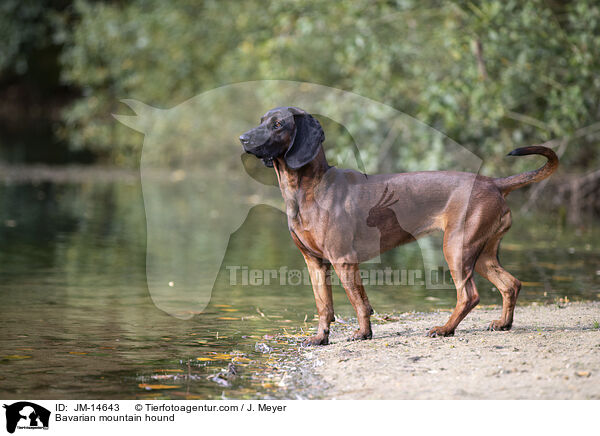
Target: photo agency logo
[25, 415]
[201, 186]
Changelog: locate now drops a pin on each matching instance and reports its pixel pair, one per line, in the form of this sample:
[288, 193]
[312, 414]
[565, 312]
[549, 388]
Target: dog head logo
[212, 184]
[26, 415]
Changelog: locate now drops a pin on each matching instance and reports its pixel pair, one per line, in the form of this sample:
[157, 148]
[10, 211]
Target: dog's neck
[302, 180]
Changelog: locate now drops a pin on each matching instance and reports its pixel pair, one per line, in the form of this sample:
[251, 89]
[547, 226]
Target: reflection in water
[78, 321]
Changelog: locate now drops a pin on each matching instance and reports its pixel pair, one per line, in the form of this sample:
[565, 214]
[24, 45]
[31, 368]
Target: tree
[492, 74]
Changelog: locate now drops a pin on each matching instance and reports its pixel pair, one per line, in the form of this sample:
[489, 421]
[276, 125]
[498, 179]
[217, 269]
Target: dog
[341, 217]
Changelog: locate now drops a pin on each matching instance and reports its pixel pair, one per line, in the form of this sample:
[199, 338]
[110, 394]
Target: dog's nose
[244, 139]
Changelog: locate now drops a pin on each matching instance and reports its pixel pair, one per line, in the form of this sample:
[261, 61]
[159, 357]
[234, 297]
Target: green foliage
[18, 27]
[533, 79]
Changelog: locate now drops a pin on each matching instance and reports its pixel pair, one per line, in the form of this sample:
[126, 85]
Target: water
[77, 319]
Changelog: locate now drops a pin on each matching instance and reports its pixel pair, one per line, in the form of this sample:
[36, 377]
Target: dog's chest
[298, 219]
[303, 225]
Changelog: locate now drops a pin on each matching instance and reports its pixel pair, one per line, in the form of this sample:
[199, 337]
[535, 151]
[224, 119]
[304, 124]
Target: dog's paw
[315, 340]
[359, 335]
[440, 331]
[499, 325]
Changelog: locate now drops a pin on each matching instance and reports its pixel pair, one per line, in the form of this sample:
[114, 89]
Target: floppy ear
[307, 140]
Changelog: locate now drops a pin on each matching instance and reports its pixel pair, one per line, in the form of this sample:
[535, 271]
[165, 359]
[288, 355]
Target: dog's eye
[277, 125]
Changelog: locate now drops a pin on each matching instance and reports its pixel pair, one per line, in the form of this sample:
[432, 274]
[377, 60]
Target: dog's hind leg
[461, 261]
[489, 267]
[467, 298]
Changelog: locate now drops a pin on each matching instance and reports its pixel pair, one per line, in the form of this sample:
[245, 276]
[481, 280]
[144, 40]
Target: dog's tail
[508, 184]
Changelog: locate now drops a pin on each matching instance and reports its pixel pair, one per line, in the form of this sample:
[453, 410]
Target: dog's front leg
[349, 274]
[319, 275]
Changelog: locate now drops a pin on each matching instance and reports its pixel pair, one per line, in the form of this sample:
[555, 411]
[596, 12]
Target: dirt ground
[552, 352]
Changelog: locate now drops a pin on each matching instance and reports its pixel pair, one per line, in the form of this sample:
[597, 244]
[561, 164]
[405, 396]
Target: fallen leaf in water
[222, 305]
[215, 356]
[532, 284]
[222, 356]
[229, 310]
[228, 318]
[151, 387]
[17, 357]
[563, 278]
[77, 352]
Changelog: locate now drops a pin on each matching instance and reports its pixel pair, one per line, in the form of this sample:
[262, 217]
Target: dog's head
[285, 131]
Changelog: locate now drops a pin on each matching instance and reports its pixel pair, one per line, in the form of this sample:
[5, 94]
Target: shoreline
[552, 352]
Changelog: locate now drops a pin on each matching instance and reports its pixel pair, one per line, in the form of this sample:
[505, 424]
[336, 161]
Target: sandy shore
[552, 352]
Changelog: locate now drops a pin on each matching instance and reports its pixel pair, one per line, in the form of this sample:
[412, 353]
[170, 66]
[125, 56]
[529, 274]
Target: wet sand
[552, 352]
